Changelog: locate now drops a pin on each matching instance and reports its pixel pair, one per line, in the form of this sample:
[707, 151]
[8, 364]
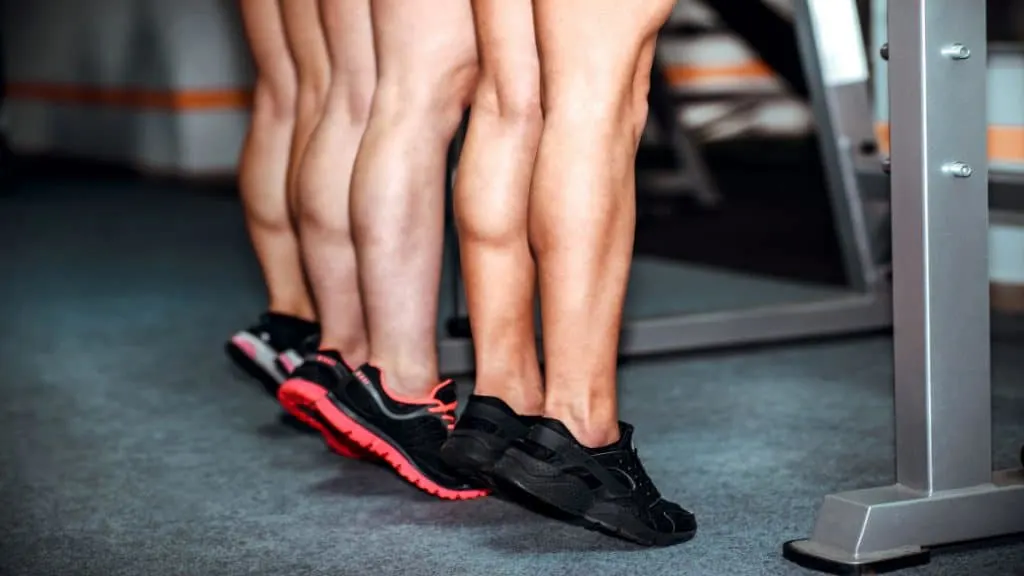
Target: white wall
[60, 54]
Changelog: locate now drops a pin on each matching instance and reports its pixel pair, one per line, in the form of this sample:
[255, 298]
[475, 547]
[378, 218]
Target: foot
[257, 348]
[606, 489]
[406, 433]
[487, 427]
[308, 384]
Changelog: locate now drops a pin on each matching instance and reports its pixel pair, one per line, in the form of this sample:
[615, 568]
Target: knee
[616, 109]
[313, 85]
[275, 93]
[452, 94]
[438, 100]
[513, 101]
[353, 95]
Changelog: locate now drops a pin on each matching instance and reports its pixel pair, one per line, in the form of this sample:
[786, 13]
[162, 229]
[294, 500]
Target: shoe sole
[336, 416]
[573, 497]
[298, 405]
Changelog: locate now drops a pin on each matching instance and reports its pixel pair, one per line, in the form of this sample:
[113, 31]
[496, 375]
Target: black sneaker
[406, 433]
[486, 428]
[289, 360]
[605, 489]
[256, 349]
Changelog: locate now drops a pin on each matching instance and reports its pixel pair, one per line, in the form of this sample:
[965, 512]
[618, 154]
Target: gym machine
[945, 490]
[832, 50]
[689, 176]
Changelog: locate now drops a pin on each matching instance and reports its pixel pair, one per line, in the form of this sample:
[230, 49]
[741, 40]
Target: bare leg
[491, 199]
[595, 61]
[327, 246]
[579, 459]
[426, 60]
[305, 35]
[263, 166]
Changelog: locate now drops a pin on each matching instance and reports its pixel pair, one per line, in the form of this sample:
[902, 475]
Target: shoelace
[635, 468]
[445, 410]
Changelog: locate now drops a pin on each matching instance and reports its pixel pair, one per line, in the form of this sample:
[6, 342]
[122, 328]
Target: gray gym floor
[130, 446]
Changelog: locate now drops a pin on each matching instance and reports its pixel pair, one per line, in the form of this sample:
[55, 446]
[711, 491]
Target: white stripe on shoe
[260, 352]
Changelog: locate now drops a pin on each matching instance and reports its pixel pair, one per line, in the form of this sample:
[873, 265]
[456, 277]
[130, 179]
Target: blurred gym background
[128, 448]
[162, 88]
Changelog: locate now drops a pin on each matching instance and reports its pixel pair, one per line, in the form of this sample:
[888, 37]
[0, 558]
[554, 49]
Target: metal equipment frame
[841, 106]
[690, 176]
[945, 490]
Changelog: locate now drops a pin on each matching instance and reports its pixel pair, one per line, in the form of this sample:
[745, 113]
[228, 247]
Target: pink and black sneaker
[357, 406]
[317, 371]
[268, 350]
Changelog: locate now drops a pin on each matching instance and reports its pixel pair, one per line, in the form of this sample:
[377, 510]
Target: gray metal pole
[945, 489]
[940, 242]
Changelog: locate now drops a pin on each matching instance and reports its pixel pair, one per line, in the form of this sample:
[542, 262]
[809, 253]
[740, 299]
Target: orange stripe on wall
[129, 98]
[1005, 143]
[683, 74]
[235, 99]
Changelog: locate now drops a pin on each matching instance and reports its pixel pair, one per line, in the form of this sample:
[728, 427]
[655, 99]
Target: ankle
[355, 351]
[295, 307]
[593, 425]
[523, 393]
[400, 382]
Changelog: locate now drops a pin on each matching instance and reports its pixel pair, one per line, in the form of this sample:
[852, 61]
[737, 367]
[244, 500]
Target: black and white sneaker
[604, 489]
[258, 350]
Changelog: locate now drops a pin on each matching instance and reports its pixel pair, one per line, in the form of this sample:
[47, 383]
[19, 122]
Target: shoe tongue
[371, 373]
[626, 436]
[445, 392]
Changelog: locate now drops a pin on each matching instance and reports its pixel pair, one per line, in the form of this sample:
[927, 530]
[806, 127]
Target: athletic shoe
[289, 360]
[257, 348]
[486, 428]
[321, 371]
[406, 433]
[604, 489]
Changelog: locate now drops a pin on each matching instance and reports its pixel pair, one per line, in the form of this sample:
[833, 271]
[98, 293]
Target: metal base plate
[891, 528]
[814, 556]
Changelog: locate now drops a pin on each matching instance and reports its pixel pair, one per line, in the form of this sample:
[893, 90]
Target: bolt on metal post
[957, 51]
[957, 169]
